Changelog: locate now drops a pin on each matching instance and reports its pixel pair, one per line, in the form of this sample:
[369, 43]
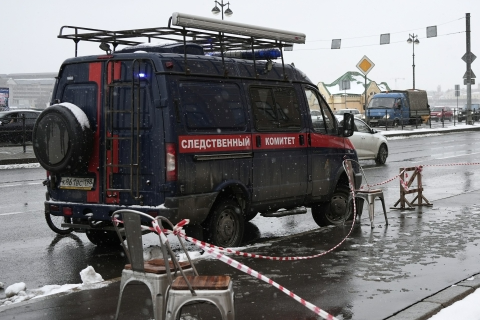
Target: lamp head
[228, 12]
[215, 10]
[409, 40]
[416, 41]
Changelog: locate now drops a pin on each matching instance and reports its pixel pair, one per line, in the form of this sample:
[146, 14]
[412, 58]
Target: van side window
[323, 120]
[275, 109]
[212, 107]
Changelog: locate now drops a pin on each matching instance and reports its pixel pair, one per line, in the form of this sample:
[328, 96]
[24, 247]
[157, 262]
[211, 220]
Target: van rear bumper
[193, 207]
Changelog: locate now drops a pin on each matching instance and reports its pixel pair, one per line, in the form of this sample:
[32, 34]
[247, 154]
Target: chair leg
[157, 301]
[384, 210]
[122, 286]
[157, 304]
[371, 213]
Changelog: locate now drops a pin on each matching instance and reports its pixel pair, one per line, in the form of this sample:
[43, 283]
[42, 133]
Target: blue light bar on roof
[267, 54]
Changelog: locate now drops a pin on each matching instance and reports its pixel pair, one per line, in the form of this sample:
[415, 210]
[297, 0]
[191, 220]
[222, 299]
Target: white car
[369, 143]
[355, 112]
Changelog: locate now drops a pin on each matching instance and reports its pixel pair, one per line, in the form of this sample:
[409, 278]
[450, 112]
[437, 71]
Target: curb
[92, 286]
[421, 132]
[17, 161]
[431, 305]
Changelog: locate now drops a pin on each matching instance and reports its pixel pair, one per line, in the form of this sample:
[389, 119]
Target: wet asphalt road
[373, 275]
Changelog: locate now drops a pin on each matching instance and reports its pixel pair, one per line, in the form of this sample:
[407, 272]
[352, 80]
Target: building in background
[354, 97]
[28, 90]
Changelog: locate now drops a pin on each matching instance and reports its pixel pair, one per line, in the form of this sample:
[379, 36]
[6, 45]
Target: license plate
[76, 183]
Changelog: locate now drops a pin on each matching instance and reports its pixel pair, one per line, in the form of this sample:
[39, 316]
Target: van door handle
[302, 139]
[259, 141]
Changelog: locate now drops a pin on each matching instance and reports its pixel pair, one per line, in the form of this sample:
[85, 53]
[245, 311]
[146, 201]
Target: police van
[212, 126]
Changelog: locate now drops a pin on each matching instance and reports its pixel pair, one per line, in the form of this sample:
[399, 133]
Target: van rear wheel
[103, 238]
[225, 225]
[55, 223]
[335, 211]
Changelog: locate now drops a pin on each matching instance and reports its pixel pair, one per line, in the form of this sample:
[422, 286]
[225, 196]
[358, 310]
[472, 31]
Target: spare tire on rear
[62, 138]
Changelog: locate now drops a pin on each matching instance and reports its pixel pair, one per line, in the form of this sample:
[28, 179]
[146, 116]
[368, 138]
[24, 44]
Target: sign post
[469, 77]
[365, 65]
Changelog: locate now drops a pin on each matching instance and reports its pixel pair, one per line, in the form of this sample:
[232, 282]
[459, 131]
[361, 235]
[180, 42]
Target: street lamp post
[413, 39]
[216, 10]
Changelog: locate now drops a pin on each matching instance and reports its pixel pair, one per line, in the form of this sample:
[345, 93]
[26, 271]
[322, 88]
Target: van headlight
[387, 116]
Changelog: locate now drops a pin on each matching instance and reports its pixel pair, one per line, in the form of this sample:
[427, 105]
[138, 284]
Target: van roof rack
[212, 34]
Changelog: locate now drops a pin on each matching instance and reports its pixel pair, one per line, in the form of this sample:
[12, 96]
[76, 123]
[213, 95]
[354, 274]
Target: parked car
[356, 113]
[441, 113]
[369, 143]
[15, 124]
[475, 112]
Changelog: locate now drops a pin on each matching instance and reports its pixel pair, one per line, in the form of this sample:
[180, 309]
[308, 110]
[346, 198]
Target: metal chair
[154, 273]
[364, 192]
[217, 290]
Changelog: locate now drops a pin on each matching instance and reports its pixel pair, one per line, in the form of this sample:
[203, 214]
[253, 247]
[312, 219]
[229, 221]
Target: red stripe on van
[325, 141]
[95, 75]
[112, 157]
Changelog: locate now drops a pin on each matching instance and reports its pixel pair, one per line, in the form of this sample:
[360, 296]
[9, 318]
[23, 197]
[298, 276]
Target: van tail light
[67, 211]
[171, 161]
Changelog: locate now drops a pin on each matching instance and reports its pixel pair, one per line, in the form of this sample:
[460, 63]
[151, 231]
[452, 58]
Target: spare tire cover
[62, 138]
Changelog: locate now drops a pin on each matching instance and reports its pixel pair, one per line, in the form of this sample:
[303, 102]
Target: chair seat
[202, 283]
[370, 191]
[157, 266]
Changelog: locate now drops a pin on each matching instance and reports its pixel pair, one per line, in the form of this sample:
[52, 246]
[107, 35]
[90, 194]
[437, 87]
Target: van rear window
[210, 106]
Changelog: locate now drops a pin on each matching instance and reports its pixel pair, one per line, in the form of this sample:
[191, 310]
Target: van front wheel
[335, 211]
[226, 224]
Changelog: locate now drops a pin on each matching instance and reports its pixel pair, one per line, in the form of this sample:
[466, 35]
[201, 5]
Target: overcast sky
[30, 29]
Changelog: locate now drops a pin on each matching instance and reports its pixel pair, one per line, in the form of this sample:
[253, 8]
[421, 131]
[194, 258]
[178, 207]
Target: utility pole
[469, 77]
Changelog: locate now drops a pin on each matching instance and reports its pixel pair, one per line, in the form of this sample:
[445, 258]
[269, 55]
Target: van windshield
[378, 103]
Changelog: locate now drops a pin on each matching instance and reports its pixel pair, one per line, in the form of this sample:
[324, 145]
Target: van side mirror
[348, 126]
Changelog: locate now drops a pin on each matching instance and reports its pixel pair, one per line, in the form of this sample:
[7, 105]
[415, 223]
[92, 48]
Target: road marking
[455, 156]
[12, 213]
[20, 184]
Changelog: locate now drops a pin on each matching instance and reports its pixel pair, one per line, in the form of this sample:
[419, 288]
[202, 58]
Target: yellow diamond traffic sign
[365, 65]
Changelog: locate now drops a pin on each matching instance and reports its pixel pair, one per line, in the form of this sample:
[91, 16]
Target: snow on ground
[19, 166]
[19, 292]
[466, 309]
[425, 131]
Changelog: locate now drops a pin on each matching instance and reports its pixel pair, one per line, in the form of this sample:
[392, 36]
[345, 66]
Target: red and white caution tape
[452, 164]
[253, 273]
[231, 262]
[177, 230]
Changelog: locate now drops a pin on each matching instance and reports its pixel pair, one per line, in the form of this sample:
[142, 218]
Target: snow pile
[19, 166]
[88, 276]
[18, 292]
